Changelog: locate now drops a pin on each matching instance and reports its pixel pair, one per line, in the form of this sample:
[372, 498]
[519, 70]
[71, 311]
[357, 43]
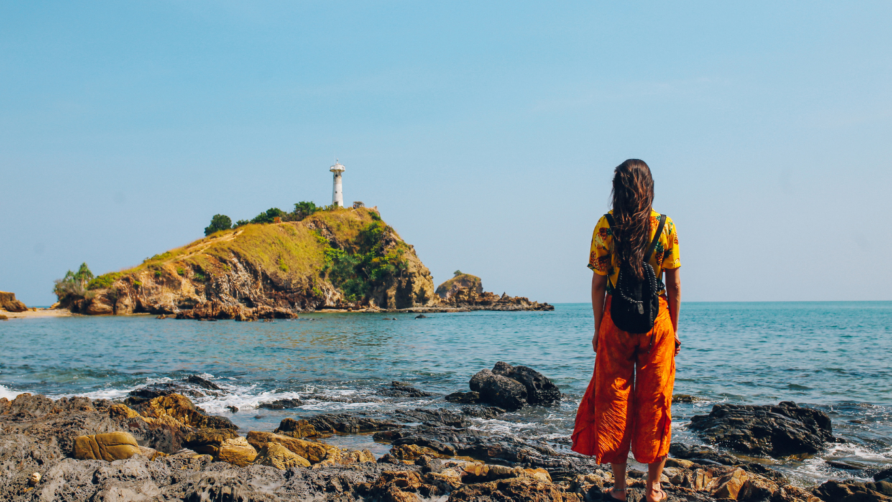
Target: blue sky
[485, 132]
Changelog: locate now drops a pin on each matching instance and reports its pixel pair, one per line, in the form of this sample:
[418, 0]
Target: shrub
[218, 222]
[159, 273]
[104, 281]
[282, 266]
[180, 271]
[457, 273]
[304, 209]
[199, 277]
[269, 216]
[241, 223]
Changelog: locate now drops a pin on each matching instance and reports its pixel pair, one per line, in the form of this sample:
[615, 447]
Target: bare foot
[656, 495]
[617, 494]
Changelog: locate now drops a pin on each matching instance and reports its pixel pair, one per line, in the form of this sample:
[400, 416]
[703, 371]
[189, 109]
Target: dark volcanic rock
[540, 390]
[835, 491]
[400, 389]
[499, 390]
[488, 412]
[463, 397]
[201, 382]
[785, 429]
[281, 404]
[884, 474]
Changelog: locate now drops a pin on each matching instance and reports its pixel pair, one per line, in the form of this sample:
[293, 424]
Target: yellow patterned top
[603, 262]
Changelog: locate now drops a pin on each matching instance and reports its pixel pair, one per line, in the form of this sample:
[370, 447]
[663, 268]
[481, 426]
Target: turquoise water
[832, 355]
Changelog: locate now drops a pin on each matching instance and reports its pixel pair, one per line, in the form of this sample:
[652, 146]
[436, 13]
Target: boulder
[885, 474]
[314, 452]
[236, 451]
[296, 428]
[276, 455]
[111, 446]
[541, 391]
[499, 390]
[9, 303]
[785, 429]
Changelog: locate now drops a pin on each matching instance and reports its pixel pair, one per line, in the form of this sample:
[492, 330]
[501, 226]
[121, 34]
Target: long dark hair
[633, 195]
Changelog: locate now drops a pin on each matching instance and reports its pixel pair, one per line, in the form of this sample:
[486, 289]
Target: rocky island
[311, 260]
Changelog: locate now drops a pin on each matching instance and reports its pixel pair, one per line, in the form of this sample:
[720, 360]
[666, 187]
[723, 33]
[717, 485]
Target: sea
[835, 356]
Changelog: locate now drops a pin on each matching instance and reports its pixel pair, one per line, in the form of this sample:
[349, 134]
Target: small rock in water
[463, 397]
[684, 398]
[400, 389]
[233, 409]
[281, 404]
[885, 474]
[202, 382]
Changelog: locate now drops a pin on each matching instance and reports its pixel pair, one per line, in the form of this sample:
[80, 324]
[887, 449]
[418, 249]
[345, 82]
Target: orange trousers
[627, 404]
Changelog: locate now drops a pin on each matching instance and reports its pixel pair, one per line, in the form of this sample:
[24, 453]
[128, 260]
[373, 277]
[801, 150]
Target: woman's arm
[673, 295]
[599, 287]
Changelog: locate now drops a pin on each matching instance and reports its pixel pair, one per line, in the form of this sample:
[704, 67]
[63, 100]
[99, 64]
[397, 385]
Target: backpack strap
[610, 221]
[653, 245]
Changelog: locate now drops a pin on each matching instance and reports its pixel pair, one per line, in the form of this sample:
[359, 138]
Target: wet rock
[785, 429]
[201, 382]
[487, 412]
[276, 455]
[281, 404]
[464, 397]
[541, 391]
[344, 423]
[499, 390]
[400, 389]
[232, 409]
[837, 491]
[109, 447]
[885, 474]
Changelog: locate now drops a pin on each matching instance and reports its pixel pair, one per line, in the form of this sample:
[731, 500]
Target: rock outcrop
[460, 282]
[774, 430]
[437, 455]
[9, 303]
[469, 299]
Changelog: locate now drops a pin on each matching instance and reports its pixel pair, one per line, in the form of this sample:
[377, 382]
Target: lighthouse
[337, 197]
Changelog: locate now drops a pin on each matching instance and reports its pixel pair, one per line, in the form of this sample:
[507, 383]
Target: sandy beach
[35, 313]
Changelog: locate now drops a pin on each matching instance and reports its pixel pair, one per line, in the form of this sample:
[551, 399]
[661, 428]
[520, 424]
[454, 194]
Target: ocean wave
[9, 394]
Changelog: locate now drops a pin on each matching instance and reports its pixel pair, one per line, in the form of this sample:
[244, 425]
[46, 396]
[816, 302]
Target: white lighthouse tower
[337, 197]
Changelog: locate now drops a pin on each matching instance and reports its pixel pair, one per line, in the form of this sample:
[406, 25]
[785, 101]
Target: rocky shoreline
[157, 445]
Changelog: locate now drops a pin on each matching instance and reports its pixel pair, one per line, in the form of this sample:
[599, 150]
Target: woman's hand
[595, 342]
[677, 345]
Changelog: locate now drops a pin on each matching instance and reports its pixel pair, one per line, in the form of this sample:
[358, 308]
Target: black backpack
[635, 303]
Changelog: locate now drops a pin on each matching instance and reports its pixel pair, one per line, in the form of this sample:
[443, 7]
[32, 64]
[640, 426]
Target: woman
[627, 404]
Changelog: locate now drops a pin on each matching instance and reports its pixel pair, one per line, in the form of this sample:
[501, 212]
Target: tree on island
[269, 215]
[218, 222]
[74, 283]
[458, 273]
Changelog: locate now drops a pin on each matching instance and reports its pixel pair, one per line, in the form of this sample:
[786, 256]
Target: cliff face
[344, 258]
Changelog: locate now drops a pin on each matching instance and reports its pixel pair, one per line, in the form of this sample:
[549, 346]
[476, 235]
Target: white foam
[8, 394]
